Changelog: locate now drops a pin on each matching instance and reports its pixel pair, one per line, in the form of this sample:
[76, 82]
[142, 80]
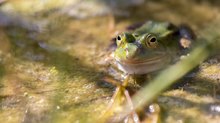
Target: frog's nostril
[129, 37]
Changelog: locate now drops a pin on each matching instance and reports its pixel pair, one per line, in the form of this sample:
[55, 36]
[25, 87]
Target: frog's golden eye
[151, 41]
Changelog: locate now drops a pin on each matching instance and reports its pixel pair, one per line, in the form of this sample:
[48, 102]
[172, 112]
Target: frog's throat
[144, 66]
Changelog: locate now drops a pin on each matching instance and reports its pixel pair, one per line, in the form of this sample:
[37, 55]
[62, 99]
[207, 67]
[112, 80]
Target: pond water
[51, 59]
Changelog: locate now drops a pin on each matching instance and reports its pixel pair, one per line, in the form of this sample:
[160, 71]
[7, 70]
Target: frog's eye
[151, 41]
[118, 40]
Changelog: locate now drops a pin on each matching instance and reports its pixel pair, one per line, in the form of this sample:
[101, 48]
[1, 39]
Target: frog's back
[161, 29]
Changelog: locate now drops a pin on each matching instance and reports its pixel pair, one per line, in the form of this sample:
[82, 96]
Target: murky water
[51, 68]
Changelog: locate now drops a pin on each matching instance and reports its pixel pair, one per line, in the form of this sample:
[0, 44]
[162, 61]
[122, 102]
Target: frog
[148, 48]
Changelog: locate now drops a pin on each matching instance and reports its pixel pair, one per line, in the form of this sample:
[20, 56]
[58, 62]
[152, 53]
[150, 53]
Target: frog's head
[140, 53]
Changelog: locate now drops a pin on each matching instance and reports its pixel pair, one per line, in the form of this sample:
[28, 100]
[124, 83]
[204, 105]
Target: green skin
[146, 49]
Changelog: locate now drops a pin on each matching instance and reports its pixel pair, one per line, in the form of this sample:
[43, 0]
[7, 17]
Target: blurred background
[51, 58]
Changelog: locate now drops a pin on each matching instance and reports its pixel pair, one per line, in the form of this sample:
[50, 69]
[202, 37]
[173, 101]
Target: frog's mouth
[143, 66]
[156, 59]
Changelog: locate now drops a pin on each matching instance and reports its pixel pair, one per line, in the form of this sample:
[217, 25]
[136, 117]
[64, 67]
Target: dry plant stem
[118, 92]
[133, 114]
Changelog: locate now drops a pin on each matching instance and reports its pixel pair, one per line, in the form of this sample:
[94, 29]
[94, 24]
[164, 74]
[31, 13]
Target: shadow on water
[180, 106]
[203, 87]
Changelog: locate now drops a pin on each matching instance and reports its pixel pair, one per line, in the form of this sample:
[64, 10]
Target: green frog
[149, 48]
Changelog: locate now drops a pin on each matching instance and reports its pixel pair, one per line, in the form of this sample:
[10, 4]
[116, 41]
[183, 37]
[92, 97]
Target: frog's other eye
[151, 41]
[118, 40]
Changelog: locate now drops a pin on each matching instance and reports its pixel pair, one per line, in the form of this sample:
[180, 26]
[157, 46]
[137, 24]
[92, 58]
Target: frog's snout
[131, 51]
